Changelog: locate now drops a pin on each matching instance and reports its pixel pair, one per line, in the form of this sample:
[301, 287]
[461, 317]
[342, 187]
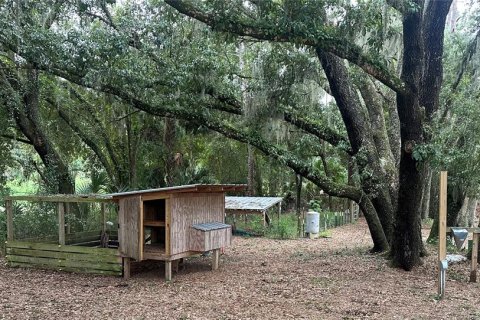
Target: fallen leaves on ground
[259, 278]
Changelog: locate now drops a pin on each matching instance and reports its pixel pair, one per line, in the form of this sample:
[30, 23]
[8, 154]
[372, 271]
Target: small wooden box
[209, 236]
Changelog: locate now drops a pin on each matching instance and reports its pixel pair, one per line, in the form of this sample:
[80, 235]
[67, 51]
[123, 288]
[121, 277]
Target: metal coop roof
[210, 226]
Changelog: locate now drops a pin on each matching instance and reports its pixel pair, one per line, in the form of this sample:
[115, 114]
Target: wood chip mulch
[327, 278]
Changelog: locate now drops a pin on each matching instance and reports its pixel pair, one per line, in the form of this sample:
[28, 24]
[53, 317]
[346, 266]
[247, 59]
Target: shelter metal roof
[251, 203]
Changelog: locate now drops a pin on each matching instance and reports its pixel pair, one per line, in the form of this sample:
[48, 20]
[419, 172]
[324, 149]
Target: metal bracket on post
[443, 266]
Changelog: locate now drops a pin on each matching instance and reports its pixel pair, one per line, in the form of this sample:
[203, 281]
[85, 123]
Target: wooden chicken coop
[165, 224]
[169, 224]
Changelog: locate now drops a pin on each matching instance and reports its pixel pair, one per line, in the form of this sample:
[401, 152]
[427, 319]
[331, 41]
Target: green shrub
[285, 228]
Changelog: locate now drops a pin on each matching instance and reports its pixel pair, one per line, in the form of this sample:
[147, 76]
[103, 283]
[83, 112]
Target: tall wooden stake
[442, 228]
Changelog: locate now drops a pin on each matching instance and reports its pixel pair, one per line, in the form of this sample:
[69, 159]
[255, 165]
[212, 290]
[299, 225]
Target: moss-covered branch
[324, 37]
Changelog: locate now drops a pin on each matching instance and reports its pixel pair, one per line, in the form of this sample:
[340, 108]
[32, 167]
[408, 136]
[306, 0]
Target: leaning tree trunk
[251, 187]
[425, 208]
[169, 141]
[323, 157]
[463, 214]
[298, 202]
[434, 191]
[29, 122]
[356, 121]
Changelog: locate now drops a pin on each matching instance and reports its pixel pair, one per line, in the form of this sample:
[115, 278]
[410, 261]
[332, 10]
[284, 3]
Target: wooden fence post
[9, 211]
[104, 218]
[473, 272]
[61, 224]
[352, 214]
[67, 214]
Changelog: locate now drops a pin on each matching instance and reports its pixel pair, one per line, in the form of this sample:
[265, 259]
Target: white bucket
[312, 225]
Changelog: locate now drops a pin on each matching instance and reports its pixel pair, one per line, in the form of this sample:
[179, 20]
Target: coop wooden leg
[473, 272]
[168, 270]
[126, 268]
[215, 259]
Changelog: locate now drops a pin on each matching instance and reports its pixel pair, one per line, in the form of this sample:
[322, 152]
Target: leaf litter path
[259, 278]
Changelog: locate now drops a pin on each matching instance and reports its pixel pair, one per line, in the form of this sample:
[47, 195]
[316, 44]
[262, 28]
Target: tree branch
[98, 126]
[97, 150]
[324, 38]
[15, 138]
[469, 52]
[231, 105]
[202, 117]
[398, 5]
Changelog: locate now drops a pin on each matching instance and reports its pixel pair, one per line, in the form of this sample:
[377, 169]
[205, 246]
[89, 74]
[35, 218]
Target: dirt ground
[258, 278]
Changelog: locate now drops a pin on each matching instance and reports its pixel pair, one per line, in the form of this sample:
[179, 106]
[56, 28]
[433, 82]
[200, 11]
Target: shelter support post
[61, 223]
[9, 210]
[473, 272]
[279, 210]
[168, 270]
[215, 259]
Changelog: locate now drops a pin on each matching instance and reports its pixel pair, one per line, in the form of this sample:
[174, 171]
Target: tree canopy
[346, 94]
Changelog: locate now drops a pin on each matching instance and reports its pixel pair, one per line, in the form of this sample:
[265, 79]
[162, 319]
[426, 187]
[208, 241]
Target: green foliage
[455, 142]
[285, 228]
[34, 220]
[325, 234]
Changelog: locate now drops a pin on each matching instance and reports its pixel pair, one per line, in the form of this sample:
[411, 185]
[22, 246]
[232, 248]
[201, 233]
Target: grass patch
[285, 228]
[427, 223]
[326, 234]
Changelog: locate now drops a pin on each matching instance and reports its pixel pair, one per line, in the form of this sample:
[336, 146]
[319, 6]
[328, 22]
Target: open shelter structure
[165, 224]
[252, 205]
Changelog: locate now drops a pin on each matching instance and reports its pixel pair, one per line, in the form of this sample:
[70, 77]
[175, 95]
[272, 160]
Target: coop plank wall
[192, 208]
[130, 232]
